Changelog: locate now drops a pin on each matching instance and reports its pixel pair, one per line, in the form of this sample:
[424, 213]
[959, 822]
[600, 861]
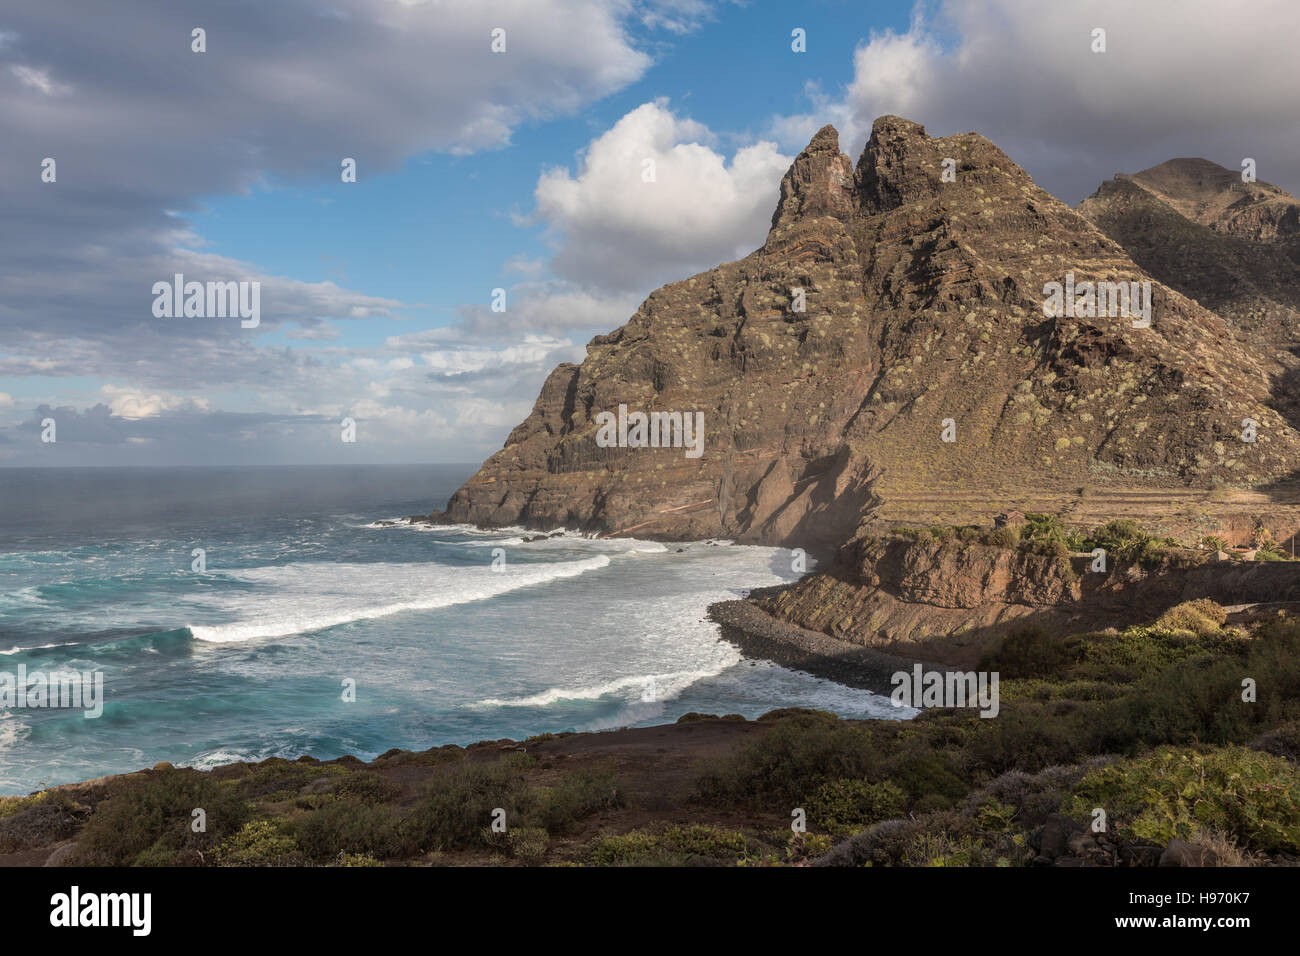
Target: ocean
[309, 628]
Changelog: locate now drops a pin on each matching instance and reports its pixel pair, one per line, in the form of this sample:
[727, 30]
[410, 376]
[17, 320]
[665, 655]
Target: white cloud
[525, 266]
[614, 230]
[676, 16]
[550, 308]
[1178, 78]
[486, 413]
[460, 361]
[133, 404]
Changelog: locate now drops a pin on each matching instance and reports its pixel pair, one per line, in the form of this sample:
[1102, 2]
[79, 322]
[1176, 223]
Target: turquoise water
[303, 590]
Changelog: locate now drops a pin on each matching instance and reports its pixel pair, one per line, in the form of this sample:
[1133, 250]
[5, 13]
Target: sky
[518, 168]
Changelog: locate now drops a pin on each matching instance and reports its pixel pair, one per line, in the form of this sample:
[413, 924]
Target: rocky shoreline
[758, 634]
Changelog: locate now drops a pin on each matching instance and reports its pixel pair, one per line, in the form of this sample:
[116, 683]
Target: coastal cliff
[885, 356]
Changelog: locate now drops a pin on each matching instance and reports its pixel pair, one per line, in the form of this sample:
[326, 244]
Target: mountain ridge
[922, 305]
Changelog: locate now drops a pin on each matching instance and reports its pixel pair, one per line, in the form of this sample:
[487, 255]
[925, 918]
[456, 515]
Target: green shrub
[794, 757]
[1201, 616]
[1043, 527]
[636, 846]
[1119, 535]
[673, 845]
[845, 805]
[1124, 539]
[1007, 536]
[258, 843]
[528, 845]
[1252, 797]
[930, 776]
[368, 788]
[938, 848]
[278, 778]
[11, 805]
[1030, 797]
[1270, 551]
[155, 812]
[460, 803]
[1048, 549]
[1027, 652]
[344, 827]
[577, 795]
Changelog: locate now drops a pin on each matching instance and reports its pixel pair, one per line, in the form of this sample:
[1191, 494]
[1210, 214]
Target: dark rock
[1140, 854]
[1081, 844]
[1181, 853]
[1053, 838]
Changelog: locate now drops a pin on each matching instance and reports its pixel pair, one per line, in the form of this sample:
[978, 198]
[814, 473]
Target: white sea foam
[571, 543]
[218, 758]
[35, 647]
[12, 731]
[665, 686]
[297, 598]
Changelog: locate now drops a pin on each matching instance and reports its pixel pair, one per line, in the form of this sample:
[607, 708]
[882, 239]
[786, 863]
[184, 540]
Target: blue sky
[477, 170]
[446, 225]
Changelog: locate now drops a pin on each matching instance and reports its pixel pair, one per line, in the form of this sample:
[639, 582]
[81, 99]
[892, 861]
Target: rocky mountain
[886, 355]
[1217, 198]
[1234, 247]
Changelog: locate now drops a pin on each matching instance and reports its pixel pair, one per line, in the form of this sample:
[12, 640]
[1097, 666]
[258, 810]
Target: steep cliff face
[888, 309]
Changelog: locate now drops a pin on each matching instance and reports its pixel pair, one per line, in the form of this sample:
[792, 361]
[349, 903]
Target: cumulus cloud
[615, 237]
[552, 307]
[651, 200]
[616, 234]
[132, 403]
[613, 229]
[1178, 78]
